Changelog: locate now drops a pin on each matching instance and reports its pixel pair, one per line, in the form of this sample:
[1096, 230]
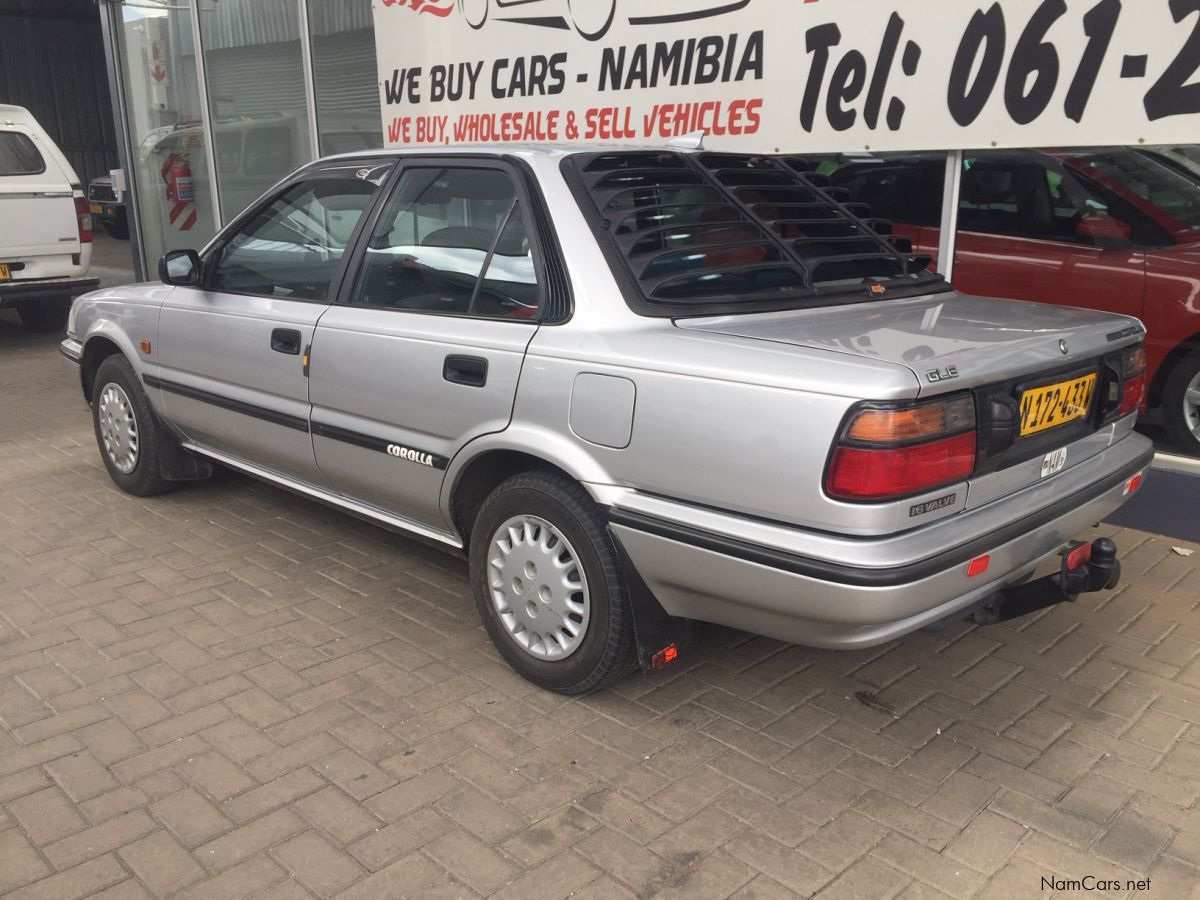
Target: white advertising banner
[791, 75]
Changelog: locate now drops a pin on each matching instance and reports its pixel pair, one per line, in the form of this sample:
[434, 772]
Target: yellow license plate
[96, 209]
[1048, 407]
[5, 274]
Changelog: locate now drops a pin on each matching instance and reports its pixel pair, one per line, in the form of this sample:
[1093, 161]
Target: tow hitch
[1087, 568]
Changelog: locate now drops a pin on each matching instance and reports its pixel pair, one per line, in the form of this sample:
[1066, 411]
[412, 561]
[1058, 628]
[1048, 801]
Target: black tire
[116, 230]
[45, 316]
[145, 479]
[1185, 374]
[606, 651]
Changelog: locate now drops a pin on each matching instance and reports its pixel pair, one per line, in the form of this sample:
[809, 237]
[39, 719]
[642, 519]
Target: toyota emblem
[1062, 345]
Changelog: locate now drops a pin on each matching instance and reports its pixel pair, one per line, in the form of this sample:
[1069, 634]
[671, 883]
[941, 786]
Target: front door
[424, 352]
[231, 355]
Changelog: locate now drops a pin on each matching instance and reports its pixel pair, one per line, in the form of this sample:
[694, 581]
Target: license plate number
[1048, 407]
[97, 209]
[5, 274]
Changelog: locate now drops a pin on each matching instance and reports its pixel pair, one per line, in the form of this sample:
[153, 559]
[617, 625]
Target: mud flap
[661, 638]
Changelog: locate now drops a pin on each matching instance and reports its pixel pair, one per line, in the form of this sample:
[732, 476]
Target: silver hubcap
[118, 428]
[538, 587]
[1191, 407]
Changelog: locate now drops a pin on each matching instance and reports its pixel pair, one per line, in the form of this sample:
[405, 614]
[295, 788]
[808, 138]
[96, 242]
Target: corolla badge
[1062, 345]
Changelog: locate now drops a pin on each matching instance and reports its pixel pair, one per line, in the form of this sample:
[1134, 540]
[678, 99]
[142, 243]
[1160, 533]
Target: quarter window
[292, 246]
[451, 241]
[19, 155]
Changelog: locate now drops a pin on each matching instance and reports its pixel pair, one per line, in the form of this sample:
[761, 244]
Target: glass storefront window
[255, 71]
[164, 119]
[345, 76]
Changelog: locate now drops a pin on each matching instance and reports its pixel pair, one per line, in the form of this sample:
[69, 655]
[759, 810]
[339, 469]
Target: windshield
[721, 232]
[1159, 191]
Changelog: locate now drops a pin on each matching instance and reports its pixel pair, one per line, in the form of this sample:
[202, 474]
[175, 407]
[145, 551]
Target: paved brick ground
[230, 692]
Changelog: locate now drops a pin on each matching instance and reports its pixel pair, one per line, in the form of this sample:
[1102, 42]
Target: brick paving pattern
[231, 692]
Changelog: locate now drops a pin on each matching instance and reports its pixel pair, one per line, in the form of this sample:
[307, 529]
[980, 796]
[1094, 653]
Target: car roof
[15, 114]
[519, 149]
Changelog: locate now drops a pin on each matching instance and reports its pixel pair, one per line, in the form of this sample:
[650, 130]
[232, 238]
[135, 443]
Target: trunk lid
[37, 210]
[1000, 350]
[949, 341]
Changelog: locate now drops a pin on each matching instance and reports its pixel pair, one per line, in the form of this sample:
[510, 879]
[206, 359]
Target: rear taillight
[83, 218]
[889, 452]
[1133, 380]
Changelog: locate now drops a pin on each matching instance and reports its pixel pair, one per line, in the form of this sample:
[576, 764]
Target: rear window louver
[720, 226]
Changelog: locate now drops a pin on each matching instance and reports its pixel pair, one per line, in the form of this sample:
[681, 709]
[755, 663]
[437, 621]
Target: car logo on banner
[439, 8]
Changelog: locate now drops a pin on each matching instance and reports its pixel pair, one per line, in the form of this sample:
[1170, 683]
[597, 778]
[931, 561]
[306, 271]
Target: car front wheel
[1181, 404]
[127, 432]
[547, 585]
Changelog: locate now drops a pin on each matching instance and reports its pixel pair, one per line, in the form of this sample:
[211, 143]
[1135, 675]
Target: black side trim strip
[858, 576]
[246, 409]
[399, 451]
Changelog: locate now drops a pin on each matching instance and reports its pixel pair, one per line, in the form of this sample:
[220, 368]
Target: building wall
[52, 63]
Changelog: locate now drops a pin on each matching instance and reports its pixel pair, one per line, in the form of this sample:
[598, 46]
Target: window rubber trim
[859, 576]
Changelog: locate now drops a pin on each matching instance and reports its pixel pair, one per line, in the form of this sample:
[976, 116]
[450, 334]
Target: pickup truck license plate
[1048, 407]
[5, 274]
[97, 209]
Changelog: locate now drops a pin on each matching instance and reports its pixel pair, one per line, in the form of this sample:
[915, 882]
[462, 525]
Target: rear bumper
[829, 602]
[13, 293]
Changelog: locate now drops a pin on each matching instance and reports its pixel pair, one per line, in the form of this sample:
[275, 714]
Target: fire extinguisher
[177, 173]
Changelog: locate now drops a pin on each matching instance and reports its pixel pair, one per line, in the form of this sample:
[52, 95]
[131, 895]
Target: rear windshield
[19, 156]
[708, 233]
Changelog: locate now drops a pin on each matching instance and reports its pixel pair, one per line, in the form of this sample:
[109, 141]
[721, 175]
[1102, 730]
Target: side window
[291, 246]
[1035, 199]
[451, 241]
[19, 155]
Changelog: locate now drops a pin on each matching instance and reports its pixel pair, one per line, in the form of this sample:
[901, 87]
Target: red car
[1109, 229]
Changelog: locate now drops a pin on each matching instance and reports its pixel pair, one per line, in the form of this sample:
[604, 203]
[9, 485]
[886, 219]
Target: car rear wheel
[1181, 404]
[118, 230]
[46, 315]
[127, 432]
[547, 585]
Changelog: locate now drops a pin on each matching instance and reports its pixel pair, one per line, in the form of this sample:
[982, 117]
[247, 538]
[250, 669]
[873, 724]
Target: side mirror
[1104, 230]
[180, 268]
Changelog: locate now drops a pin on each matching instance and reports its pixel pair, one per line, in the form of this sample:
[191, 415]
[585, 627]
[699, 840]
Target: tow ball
[1087, 568]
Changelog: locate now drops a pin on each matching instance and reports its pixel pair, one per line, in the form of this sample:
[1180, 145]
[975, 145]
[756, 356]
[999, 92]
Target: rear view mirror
[180, 268]
[1104, 230]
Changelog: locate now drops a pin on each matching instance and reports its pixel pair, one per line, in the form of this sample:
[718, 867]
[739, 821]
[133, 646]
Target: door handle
[468, 370]
[286, 340]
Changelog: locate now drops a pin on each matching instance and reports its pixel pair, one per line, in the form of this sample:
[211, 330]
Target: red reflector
[664, 656]
[1131, 393]
[978, 565]
[1133, 484]
[860, 473]
[1079, 556]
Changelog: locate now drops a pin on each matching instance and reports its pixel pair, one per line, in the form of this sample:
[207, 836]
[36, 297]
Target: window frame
[531, 208]
[213, 252]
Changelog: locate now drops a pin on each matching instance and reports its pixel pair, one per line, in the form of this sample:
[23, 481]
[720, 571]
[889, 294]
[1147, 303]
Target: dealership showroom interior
[600, 449]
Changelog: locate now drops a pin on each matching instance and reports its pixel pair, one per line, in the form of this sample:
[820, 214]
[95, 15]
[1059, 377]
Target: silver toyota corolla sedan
[636, 388]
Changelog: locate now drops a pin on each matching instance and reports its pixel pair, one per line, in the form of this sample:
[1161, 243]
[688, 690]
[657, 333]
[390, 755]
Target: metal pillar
[948, 238]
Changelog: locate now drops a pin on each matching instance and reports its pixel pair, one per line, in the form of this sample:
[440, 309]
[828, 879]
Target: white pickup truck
[45, 226]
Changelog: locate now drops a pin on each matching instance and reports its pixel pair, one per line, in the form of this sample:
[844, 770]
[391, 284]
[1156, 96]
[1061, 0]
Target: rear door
[423, 352]
[37, 207]
[231, 355]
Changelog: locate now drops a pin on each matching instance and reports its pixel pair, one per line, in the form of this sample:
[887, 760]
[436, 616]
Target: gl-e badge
[923, 509]
[945, 374]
